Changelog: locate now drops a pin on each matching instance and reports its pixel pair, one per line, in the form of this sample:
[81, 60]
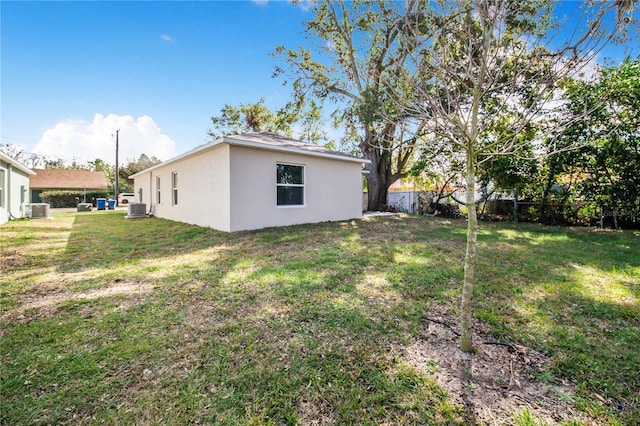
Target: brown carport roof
[67, 179]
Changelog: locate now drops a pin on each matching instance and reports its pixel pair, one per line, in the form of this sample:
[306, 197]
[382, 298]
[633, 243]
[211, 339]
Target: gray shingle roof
[274, 140]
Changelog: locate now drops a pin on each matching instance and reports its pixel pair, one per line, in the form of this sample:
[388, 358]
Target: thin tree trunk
[466, 335]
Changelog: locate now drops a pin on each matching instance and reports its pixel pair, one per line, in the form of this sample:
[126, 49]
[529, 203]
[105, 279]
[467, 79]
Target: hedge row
[70, 198]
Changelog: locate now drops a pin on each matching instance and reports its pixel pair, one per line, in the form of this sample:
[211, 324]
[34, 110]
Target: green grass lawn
[107, 320]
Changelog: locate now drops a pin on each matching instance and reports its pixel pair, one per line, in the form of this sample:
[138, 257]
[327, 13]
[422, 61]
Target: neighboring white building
[254, 181]
[14, 188]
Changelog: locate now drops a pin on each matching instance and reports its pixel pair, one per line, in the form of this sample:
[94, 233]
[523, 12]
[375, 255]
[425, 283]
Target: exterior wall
[333, 189]
[203, 189]
[15, 191]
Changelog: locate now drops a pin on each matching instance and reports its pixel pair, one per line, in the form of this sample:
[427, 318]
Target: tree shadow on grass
[421, 268]
[108, 239]
[278, 325]
[572, 293]
[273, 327]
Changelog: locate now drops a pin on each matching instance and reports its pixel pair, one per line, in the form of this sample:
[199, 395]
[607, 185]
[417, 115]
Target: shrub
[68, 198]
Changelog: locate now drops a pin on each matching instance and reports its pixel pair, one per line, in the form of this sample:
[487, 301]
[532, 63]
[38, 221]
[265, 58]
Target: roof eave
[258, 145]
[241, 142]
[14, 163]
[187, 154]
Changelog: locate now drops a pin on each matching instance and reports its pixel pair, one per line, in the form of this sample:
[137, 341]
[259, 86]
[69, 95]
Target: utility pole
[115, 189]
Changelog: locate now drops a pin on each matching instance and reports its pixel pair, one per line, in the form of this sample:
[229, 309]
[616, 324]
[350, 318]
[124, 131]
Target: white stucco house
[14, 188]
[254, 181]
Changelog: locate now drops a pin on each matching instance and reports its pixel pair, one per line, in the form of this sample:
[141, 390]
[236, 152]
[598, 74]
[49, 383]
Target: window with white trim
[2, 188]
[290, 184]
[157, 189]
[174, 188]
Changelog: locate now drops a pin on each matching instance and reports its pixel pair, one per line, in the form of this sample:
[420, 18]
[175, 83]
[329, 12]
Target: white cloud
[589, 68]
[306, 5]
[167, 38]
[84, 141]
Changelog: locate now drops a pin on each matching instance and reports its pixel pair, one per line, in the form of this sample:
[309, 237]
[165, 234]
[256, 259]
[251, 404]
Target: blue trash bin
[111, 204]
[101, 203]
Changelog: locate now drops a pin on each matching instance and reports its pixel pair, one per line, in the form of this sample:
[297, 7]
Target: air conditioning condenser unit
[137, 210]
[38, 211]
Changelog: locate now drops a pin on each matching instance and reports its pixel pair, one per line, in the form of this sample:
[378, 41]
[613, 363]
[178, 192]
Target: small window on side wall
[157, 189]
[174, 188]
[1, 188]
[290, 184]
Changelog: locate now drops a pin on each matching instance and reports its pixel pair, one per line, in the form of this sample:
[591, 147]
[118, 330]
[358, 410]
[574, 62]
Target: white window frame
[174, 188]
[158, 198]
[3, 179]
[292, 185]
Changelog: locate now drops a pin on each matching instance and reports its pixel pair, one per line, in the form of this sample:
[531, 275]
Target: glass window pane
[290, 175]
[1, 188]
[290, 195]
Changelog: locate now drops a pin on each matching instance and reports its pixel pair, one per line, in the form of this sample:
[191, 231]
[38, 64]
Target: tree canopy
[609, 161]
[297, 119]
[364, 45]
[485, 81]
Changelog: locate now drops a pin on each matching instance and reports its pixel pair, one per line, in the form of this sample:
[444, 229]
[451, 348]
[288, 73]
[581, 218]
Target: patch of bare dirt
[45, 304]
[315, 412]
[11, 260]
[118, 288]
[495, 384]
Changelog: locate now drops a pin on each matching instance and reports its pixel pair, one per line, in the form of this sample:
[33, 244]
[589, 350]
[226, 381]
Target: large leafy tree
[485, 72]
[99, 165]
[249, 118]
[132, 167]
[363, 45]
[18, 153]
[296, 119]
[610, 159]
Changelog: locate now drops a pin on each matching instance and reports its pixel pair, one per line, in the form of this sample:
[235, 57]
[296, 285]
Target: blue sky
[74, 72]
[176, 63]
